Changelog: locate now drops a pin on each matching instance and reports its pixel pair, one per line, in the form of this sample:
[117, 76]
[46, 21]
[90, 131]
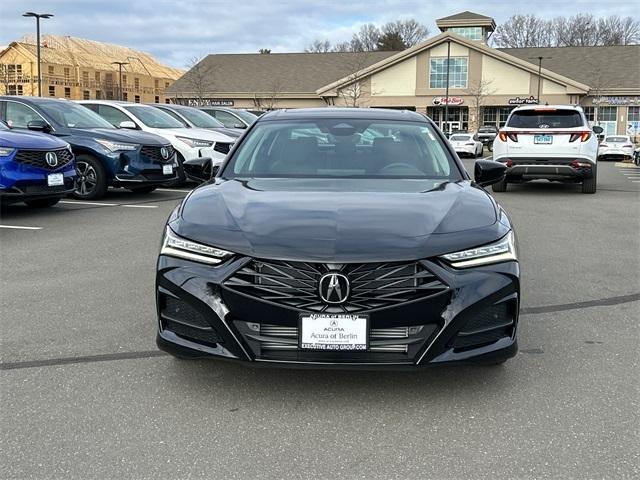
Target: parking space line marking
[171, 190]
[140, 206]
[74, 202]
[17, 227]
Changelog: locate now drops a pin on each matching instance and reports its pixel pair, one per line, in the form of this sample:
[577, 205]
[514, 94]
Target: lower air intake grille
[185, 321]
[222, 147]
[372, 285]
[486, 327]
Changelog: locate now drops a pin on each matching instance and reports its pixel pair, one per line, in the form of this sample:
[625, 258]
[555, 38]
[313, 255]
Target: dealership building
[485, 83]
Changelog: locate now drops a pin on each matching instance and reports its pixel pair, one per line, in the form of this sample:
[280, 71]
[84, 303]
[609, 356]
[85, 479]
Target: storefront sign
[523, 101]
[448, 101]
[617, 100]
[205, 102]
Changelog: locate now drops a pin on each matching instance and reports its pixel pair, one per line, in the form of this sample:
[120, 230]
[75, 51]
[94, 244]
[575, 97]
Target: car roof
[548, 107]
[33, 100]
[113, 102]
[351, 113]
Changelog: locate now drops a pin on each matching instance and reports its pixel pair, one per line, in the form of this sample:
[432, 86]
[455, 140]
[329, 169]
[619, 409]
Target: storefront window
[457, 72]
[607, 119]
[503, 113]
[472, 33]
[633, 115]
[489, 115]
[590, 113]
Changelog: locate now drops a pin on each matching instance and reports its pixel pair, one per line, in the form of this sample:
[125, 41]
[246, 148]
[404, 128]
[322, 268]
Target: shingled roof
[602, 68]
[301, 73]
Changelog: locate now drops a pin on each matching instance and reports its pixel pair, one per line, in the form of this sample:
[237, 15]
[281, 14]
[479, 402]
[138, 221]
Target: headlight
[501, 251]
[116, 146]
[195, 142]
[6, 151]
[175, 246]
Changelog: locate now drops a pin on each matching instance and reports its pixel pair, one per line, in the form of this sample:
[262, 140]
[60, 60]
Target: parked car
[257, 113]
[191, 117]
[105, 156]
[231, 117]
[636, 157]
[487, 134]
[36, 169]
[552, 142]
[299, 253]
[188, 142]
[616, 147]
[466, 144]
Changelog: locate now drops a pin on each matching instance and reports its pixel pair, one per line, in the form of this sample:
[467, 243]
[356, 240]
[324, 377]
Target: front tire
[500, 186]
[42, 202]
[92, 178]
[142, 189]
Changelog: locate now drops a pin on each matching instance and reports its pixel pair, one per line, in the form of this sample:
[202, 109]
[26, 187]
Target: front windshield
[200, 118]
[153, 117]
[343, 148]
[72, 115]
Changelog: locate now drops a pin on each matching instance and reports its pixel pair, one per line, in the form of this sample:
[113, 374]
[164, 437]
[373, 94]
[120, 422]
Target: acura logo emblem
[334, 288]
[164, 152]
[51, 158]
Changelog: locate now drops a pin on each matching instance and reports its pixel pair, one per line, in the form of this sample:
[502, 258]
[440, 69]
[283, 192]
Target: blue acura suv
[105, 155]
[35, 169]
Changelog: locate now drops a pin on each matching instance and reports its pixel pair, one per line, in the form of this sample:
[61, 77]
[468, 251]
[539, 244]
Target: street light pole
[120, 64]
[446, 95]
[38, 16]
[540, 58]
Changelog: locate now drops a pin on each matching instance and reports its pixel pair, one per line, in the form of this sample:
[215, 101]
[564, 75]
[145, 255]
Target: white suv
[553, 142]
[190, 143]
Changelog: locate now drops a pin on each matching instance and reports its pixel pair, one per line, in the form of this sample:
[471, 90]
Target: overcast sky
[177, 30]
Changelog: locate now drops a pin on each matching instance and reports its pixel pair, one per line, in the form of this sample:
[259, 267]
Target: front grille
[38, 158]
[153, 153]
[372, 285]
[222, 147]
[486, 327]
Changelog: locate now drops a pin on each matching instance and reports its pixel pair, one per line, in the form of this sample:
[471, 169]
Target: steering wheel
[400, 168]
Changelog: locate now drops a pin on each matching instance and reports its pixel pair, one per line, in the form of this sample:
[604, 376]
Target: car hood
[30, 140]
[339, 220]
[119, 135]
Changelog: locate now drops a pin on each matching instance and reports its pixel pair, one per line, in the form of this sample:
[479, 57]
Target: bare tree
[479, 91]
[410, 31]
[319, 46]
[269, 101]
[356, 91]
[521, 31]
[581, 30]
[614, 30]
[197, 78]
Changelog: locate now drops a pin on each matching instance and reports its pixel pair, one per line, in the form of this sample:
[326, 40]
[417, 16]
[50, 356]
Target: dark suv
[105, 156]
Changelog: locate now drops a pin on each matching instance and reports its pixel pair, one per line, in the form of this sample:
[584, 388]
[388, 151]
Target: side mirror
[200, 169]
[597, 129]
[128, 124]
[39, 126]
[239, 125]
[488, 172]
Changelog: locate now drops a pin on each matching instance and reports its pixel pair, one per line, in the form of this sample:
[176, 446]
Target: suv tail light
[604, 145]
[583, 136]
[510, 135]
[628, 145]
[470, 143]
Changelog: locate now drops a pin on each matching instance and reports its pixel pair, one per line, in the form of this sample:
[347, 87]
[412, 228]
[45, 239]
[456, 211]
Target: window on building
[136, 99]
[472, 33]
[52, 90]
[166, 100]
[136, 83]
[166, 84]
[108, 78]
[85, 78]
[67, 92]
[633, 114]
[125, 96]
[98, 94]
[489, 115]
[590, 113]
[97, 76]
[67, 72]
[457, 72]
[109, 94]
[124, 79]
[156, 99]
[14, 89]
[14, 70]
[86, 95]
[503, 114]
[51, 70]
[156, 83]
[607, 114]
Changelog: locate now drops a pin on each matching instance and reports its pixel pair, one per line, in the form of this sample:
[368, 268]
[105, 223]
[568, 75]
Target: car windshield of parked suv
[154, 118]
[246, 116]
[200, 118]
[343, 148]
[545, 118]
[617, 139]
[460, 138]
[72, 115]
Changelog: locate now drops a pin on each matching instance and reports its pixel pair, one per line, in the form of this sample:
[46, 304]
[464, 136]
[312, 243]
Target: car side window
[112, 115]
[18, 115]
[227, 119]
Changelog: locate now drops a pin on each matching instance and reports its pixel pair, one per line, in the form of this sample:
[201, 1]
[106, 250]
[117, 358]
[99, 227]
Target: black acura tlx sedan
[340, 238]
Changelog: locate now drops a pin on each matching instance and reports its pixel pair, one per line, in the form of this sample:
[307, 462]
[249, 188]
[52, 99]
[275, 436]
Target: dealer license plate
[167, 169]
[543, 139]
[55, 179]
[334, 332]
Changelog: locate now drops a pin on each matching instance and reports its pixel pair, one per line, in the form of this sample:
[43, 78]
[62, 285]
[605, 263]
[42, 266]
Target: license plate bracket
[333, 332]
[167, 169]
[55, 179]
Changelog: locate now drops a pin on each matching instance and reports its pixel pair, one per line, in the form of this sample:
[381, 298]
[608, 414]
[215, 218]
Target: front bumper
[474, 319]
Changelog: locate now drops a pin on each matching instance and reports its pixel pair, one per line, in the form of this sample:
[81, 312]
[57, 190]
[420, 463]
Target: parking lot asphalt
[85, 394]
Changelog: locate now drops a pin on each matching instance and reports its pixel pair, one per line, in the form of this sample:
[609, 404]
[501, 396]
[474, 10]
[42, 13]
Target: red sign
[448, 101]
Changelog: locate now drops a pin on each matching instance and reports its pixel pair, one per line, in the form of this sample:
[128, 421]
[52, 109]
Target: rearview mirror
[39, 126]
[128, 124]
[488, 172]
[597, 129]
[200, 169]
